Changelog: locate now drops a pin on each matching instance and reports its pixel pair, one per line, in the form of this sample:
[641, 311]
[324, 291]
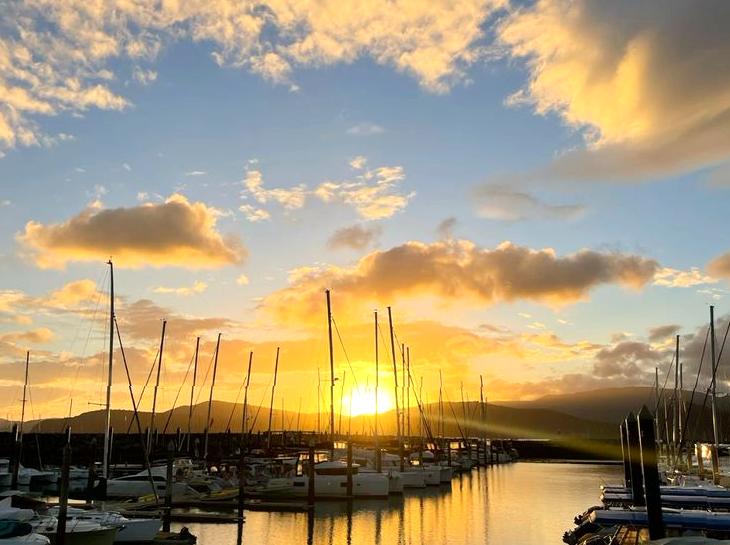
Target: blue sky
[198, 128]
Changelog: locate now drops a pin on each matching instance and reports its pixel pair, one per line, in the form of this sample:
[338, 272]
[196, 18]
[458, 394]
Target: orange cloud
[720, 266]
[647, 86]
[457, 271]
[40, 335]
[174, 233]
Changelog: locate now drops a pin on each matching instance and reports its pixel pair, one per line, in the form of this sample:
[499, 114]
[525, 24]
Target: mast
[244, 416]
[713, 385]
[108, 411]
[678, 396]
[157, 385]
[399, 437]
[376, 436]
[403, 390]
[482, 407]
[192, 391]
[332, 369]
[210, 398]
[25, 388]
[441, 404]
[319, 401]
[271, 403]
[408, 390]
[342, 394]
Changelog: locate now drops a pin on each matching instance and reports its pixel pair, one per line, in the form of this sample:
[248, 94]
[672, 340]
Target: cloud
[62, 56]
[196, 173]
[358, 162]
[73, 293]
[355, 237]
[254, 214]
[674, 278]
[720, 266]
[372, 193]
[645, 83]
[197, 287]
[445, 229]
[242, 280]
[662, 332]
[40, 335]
[144, 77]
[499, 202]
[290, 198]
[365, 129]
[461, 271]
[174, 233]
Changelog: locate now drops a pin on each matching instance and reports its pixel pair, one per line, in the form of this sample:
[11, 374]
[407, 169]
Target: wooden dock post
[63, 493]
[650, 472]
[167, 511]
[700, 462]
[14, 458]
[310, 471]
[349, 469]
[241, 488]
[625, 454]
[633, 448]
[715, 464]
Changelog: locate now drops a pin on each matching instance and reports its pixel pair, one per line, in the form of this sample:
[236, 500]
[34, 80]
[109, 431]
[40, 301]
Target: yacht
[330, 481]
[130, 530]
[138, 485]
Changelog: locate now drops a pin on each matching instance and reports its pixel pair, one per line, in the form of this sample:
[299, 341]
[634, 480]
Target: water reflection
[522, 503]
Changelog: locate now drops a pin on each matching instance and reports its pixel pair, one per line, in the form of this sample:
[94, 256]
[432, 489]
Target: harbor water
[522, 503]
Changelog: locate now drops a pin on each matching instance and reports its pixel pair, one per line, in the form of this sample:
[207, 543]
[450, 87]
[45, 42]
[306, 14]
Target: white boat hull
[364, 485]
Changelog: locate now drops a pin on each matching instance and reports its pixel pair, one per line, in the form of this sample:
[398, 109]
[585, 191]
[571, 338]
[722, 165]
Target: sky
[538, 190]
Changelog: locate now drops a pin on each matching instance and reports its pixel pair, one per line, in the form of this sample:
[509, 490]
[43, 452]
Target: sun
[362, 401]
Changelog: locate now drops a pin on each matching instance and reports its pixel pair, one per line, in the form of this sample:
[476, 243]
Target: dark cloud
[663, 332]
[355, 237]
[501, 202]
[174, 233]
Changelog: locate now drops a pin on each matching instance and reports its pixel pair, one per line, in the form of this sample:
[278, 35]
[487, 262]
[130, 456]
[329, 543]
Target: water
[522, 503]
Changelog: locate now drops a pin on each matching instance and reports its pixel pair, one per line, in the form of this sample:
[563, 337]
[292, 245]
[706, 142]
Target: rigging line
[207, 372]
[687, 414]
[230, 418]
[174, 403]
[664, 386]
[456, 419]
[88, 335]
[258, 410]
[354, 377]
[714, 370]
[141, 395]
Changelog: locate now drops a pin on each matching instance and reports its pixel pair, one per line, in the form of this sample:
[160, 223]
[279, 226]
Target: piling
[637, 492]
[111, 444]
[700, 462]
[349, 469]
[167, 511]
[63, 496]
[650, 472]
[241, 488]
[310, 470]
[715, 464]
[625, 454]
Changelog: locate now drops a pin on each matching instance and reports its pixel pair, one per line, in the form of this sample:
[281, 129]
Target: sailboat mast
[192, 390]
[332, 368]
[678, 387]
[157, 385]
[441, 404]
[408, 390]
[271, 403]
[244, 417]
[108, 415]
[403, 389]
[25, 389]
[481, 408]
[210, 398]
[376, 436]
[715, 431]
[399, 437]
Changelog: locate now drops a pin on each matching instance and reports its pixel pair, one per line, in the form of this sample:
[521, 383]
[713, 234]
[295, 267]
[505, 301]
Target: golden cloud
[39, 335]
[647, 81]
[458, 270]
[720, 266]
[174, 233]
